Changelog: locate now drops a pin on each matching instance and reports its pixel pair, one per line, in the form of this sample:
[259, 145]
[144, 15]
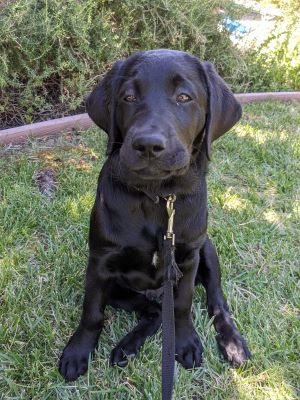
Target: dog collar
[153, 197]
[169, 197]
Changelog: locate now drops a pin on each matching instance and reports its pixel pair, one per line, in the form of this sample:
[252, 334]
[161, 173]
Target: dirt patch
[45, 180]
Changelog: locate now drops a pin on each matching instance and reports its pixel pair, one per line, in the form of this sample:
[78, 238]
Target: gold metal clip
[171, 212]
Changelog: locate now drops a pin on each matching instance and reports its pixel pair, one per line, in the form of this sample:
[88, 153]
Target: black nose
[149, 145]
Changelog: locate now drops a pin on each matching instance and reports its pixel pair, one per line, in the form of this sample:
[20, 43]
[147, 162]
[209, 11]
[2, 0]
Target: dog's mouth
[150, 173]
[133, 168]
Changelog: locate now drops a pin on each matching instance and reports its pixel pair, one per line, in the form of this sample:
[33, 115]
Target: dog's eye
[130, 98]
[183, 98]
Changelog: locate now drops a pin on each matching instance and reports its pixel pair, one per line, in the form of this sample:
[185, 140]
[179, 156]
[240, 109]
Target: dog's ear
[100, 106]
[223, 109]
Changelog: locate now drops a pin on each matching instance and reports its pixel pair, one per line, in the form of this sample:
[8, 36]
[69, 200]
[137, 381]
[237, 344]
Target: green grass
[254, 206]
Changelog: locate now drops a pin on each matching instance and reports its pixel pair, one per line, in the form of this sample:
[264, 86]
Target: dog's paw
[73, 363]
[189, 350]
[120, 356]
[126, 349]
[234, 348]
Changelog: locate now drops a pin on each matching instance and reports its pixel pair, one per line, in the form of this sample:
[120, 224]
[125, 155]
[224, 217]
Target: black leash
[172, 274]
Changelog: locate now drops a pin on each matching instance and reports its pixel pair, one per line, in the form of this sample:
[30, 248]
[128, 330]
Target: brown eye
[130, 98]
[183, 98]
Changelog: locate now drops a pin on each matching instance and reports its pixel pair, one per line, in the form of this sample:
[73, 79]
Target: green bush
[53, 51]
[275, 64]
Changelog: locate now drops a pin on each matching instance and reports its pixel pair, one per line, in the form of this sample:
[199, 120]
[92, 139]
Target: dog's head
[160, 108]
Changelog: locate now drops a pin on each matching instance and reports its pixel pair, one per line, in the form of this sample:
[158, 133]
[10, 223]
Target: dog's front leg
[188, 347]
[75, 357]
[231, 343]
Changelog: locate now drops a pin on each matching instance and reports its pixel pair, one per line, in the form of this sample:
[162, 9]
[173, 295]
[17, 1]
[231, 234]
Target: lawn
[254, 221]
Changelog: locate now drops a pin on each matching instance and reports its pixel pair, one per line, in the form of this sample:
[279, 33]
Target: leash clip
[170, 235]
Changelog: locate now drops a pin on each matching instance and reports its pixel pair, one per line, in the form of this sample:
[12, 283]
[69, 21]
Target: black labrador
[161, 109]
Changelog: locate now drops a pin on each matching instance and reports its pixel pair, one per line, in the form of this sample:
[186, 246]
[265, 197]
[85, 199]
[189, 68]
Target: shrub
[52, 52]
[275, 64]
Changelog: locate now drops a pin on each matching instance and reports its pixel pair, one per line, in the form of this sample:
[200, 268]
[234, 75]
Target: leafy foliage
[275, 64]
[52, 52]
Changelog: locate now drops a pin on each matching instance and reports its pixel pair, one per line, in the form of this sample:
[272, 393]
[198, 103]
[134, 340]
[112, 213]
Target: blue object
[235, 27]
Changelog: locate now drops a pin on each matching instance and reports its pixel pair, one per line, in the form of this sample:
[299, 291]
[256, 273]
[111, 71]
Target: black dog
[161, 110]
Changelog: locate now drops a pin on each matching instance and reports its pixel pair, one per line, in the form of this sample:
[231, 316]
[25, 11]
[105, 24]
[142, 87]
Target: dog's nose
[149, 146]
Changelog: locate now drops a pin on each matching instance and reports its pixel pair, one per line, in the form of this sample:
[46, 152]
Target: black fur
[161, 110]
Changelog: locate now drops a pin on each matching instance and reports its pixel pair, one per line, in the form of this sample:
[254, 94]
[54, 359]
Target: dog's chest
[137, 269]
[138, 228]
